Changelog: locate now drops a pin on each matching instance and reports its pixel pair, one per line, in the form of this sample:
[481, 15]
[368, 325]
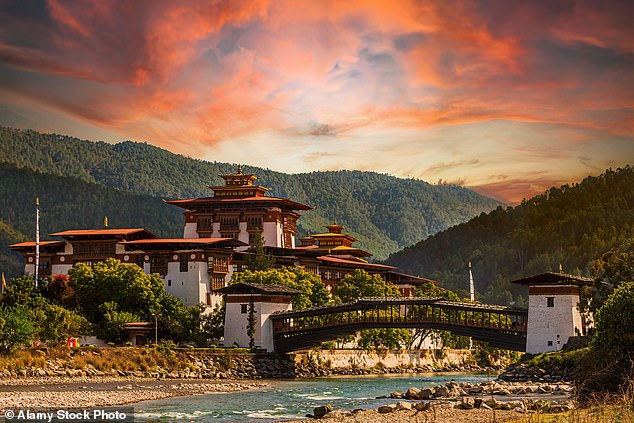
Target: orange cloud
[189, 76]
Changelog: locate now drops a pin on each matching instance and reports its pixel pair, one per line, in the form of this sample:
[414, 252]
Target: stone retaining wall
[223, 364]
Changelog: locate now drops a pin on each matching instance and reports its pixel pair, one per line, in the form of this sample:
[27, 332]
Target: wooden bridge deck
[501, 327]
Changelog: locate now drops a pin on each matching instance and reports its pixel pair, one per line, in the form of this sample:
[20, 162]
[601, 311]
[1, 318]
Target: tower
[264, 299]
[553, 315]
[240, 210]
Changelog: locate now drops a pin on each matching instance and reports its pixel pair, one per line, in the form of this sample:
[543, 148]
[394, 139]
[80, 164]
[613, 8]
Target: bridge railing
[401, 312]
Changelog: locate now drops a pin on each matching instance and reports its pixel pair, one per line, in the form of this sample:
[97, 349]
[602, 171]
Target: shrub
[614, 329]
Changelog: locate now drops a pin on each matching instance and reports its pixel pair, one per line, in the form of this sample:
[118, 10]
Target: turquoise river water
[291, 399]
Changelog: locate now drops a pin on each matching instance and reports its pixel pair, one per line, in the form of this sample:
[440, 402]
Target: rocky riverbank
[462, 402]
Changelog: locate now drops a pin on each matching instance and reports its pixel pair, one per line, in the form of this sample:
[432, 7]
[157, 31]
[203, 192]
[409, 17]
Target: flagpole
[37, 239]
[471, 297]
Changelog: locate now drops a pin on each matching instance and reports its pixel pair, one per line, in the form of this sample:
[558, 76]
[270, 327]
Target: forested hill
[571, 226]
[69, 203]
[384, 212]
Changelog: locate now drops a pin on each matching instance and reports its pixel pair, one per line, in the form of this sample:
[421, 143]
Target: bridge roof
[258, 288]
[553, 278]
[373, 301]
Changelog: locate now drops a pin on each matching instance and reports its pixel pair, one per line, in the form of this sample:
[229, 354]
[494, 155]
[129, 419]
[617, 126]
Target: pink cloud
[188, 76]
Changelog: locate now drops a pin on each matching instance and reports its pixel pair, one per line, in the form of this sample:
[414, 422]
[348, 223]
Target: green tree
[59, 324]
[112, 281]
[16, 327]
[430, 289]
[315, 293]
[256, 258]
[610, 270]
[499, 291]
[614, 327]
[111, 325]
[363, 284]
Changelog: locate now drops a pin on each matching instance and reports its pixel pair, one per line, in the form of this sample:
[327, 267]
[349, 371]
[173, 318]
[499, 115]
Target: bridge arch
[501, 327]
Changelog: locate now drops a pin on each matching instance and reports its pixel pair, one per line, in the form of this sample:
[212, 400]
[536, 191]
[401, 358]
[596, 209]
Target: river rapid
[292, 399]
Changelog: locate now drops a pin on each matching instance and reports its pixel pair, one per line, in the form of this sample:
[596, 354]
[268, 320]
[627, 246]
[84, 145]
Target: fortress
[217, 232]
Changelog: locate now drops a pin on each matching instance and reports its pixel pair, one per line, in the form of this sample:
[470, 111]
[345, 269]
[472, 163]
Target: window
[203, 223]
[254, 223]
[169, 282]
[550, 301]
[243, 308]
[550, 343]
[184, 262]
[140, 261]
[158, 264]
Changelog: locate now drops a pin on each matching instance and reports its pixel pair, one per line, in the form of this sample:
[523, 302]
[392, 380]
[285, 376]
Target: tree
[111, 325]
[59, 324]
[61, 290]
[430, 289]
[315, 293]
[16, 328]
[614, 328]
[112, 281]
[256, 258]
[363, 284]
[251, 323]
[610, 270]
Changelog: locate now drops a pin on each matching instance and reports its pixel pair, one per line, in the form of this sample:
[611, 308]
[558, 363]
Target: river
[292, 399]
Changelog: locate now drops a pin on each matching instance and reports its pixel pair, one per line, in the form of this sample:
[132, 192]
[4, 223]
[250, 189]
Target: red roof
[552, 278]
[90, 232]
[198, 241]
[335, 260]
[29, 244]
[206, 200]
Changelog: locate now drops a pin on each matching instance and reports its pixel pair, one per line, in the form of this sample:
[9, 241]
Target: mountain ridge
[569, 226]
[384, 212]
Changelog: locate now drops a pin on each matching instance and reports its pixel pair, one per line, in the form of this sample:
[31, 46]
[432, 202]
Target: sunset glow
[508, 98]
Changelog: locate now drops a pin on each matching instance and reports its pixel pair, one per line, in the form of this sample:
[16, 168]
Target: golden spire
[469, 264]
[239, 170]
[105, 222]
[561, 268]
[334, 221]
[37, 201]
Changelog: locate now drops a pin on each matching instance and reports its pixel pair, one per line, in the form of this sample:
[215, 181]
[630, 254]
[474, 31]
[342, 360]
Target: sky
[505, 97]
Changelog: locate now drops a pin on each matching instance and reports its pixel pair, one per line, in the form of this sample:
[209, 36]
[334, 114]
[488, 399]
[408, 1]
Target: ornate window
[184, 262]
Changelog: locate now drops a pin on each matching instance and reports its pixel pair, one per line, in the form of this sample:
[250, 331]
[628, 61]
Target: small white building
[553, 312]
[265, 299]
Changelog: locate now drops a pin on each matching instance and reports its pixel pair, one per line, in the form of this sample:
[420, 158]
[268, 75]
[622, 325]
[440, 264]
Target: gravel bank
[106, 392]
[436, 414]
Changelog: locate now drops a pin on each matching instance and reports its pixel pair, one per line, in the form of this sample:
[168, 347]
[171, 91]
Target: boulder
[477, 402]
[412, 393]
[337, 414]
[389, 408]
[491, 402]
[484, 406]
[422, 406]
[403, 405]
[426, 393]
[441, 391]
[396, 395]
[467, 403]
[322, 410]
